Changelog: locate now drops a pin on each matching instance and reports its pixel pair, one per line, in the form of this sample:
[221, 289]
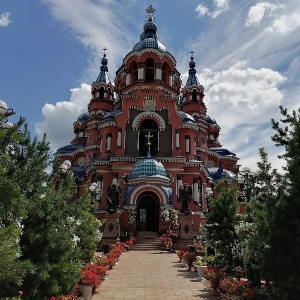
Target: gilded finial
[150, 10]
[149, 136]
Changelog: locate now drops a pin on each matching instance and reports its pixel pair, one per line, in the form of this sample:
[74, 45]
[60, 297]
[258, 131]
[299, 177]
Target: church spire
[192, 79]
[103, 75]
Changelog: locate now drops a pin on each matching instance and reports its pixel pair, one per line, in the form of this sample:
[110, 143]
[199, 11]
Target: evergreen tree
[265, 193]
[284, 267]
[221, 221]
[50, 242]
[45, 239]
[12, 213]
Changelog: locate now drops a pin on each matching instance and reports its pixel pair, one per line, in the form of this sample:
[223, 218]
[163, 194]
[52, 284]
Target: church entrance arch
[147, 213]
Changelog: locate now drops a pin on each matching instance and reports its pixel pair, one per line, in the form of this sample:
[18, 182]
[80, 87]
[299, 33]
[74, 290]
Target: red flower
[233, 287]
[20, 293]
[88, 277]
[211, 272]
[180, 253]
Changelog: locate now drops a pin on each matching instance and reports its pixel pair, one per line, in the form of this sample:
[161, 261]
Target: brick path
[152, 274]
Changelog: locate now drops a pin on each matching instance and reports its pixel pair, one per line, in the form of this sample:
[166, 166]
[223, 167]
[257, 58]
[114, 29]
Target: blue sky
[247, 56]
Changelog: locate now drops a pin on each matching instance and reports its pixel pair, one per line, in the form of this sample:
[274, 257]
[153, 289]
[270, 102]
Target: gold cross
[149, 136]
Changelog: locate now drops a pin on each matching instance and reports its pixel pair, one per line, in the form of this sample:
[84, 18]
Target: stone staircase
[147, 240]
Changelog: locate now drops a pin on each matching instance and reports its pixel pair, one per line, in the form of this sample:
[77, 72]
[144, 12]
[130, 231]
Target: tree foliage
[221, 220]
[44, 238]
[283, 266]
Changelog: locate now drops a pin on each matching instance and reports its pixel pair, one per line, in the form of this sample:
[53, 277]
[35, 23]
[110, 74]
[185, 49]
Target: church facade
[147, 135]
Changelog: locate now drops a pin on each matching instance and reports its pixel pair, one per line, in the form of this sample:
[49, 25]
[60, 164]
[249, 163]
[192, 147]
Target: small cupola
[193, 91]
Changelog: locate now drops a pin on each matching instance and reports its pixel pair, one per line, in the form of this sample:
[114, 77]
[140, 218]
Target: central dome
[148, 37]
[148, 166]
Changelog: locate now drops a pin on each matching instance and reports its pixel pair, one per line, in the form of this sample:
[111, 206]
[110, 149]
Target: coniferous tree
[284, 267]
[12, 213]
[41, 251]
[221, 221]
[265, 194]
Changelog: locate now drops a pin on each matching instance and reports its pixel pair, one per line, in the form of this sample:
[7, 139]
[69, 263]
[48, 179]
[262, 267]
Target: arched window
[101, 92]
[194, 95]
[146, 127]
[149, 76]
[134, 73]
[165, 73]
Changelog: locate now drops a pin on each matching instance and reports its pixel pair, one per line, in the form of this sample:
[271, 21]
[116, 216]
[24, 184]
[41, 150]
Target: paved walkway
[152, 274]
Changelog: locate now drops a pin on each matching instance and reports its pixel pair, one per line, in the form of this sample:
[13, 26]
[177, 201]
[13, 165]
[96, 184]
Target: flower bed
[235, 288]
[212, 272]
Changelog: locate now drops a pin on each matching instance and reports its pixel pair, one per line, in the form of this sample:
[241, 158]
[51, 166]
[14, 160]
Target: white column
[128, 79]
[187, 145]
[140, 73]
[119, 139]
[177, 139]
[196, 190]
[108, 143]
[171, 80]
[158, 74]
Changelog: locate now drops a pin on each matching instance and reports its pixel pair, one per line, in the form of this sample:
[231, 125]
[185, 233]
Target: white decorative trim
[147, 114]
[135, 194]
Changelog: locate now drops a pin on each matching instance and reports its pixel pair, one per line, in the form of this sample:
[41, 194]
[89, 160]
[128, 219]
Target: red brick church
[147, 135]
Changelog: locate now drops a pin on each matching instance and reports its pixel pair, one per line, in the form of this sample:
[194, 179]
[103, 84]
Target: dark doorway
[147, 213]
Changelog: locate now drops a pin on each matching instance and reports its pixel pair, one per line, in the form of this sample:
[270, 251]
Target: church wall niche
[131, 141]
[165, 141]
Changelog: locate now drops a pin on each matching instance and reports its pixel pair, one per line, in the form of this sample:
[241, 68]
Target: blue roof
[69, 148]
[192, 79]
[103, 75]
[110, 116]
[83, 117]
[78, 171]
[217, 173]
[147, 167]
[222, 151]
[210, 120]
[186, 117]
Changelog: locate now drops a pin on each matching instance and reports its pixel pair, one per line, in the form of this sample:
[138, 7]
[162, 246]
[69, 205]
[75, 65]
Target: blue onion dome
[186, 118]
[148, 167]
[210, 120]
[217, 174]
[83, 117]
[69, 148]
[148, 38]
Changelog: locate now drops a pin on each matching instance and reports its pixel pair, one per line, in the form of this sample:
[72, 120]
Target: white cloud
[259, 11]
[59, 118]
[286, 23]
[219, 7]
[243, 100]
[4, 19]
[96, 24]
